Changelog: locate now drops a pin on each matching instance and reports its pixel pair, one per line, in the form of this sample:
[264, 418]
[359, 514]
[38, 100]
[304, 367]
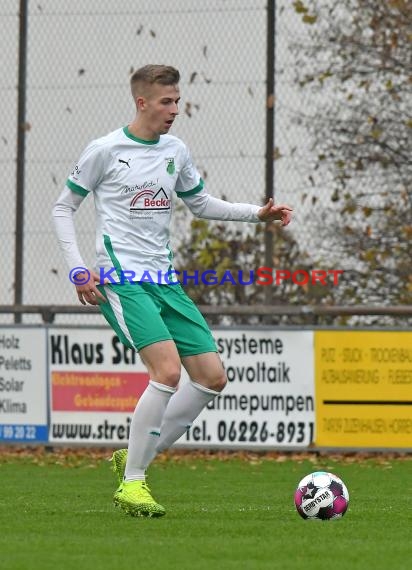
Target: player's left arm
[203, 205]
[271, 212]
[190, 187]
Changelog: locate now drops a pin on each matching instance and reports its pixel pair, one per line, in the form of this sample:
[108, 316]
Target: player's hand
[88, 292]
[269, 213]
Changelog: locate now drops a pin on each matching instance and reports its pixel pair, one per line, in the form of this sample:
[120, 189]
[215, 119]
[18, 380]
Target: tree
[215, 249]
[357, 67]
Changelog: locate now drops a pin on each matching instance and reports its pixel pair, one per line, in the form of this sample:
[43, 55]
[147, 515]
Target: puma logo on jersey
[125, 161]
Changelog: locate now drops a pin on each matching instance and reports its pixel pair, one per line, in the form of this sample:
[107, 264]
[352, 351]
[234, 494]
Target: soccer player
[134, 174]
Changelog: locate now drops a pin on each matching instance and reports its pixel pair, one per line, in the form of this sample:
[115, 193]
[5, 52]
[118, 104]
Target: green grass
[222, 514]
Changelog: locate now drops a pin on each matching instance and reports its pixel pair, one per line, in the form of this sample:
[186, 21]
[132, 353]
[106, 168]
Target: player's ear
[140, 103]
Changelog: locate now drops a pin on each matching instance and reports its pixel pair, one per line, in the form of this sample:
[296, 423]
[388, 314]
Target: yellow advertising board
[363, 389]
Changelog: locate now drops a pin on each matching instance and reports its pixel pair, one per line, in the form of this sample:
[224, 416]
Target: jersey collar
[136, 139]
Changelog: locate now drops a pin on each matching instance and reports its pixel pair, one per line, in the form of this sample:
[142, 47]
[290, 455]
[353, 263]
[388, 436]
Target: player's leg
[135, 317]
[208, 379]
[163, 364]
[198, 352]
[187, 403]
[160, 362]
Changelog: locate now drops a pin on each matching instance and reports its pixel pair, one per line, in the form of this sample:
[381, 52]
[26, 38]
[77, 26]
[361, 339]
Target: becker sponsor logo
[150, 200]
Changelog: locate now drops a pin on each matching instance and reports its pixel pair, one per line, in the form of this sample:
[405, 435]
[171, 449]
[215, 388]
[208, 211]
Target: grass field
[224, 512]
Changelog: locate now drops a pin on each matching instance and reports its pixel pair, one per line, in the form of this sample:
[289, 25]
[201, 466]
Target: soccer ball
[321, 495]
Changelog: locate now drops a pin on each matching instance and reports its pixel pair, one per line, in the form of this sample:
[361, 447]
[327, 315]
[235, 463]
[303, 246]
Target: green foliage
[239, 248]
[300, 8]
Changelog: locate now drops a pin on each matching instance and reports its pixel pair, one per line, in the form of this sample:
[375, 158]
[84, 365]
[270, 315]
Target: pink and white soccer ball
[321, 495]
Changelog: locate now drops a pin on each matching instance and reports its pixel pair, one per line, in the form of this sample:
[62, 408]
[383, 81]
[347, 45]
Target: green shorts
[144, 313]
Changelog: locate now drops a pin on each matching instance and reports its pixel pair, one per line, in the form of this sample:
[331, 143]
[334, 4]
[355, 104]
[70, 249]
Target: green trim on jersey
[76, 188]
[109, 248]
[136, 139]
[170, 256]
[198, 188]
[111, 318]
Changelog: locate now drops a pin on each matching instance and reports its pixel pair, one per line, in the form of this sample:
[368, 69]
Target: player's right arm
[83, 179]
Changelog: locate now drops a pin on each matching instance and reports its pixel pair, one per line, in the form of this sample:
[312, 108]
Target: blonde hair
[150, 74]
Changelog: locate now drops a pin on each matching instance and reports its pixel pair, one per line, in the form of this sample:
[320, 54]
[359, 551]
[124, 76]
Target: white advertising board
[95, 383]
[269, 399]
[23, 385]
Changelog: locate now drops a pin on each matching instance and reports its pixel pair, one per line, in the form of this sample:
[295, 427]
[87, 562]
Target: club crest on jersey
[170, 166]
[150, 201]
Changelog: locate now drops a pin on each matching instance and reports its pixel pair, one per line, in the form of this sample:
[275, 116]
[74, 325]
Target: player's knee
[218, 382]
[165, 373]
[170, 376]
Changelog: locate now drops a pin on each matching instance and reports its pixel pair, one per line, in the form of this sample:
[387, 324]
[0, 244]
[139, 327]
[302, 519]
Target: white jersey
[134, 183]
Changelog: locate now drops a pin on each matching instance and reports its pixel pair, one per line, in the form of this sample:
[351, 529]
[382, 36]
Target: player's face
[161, 108]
